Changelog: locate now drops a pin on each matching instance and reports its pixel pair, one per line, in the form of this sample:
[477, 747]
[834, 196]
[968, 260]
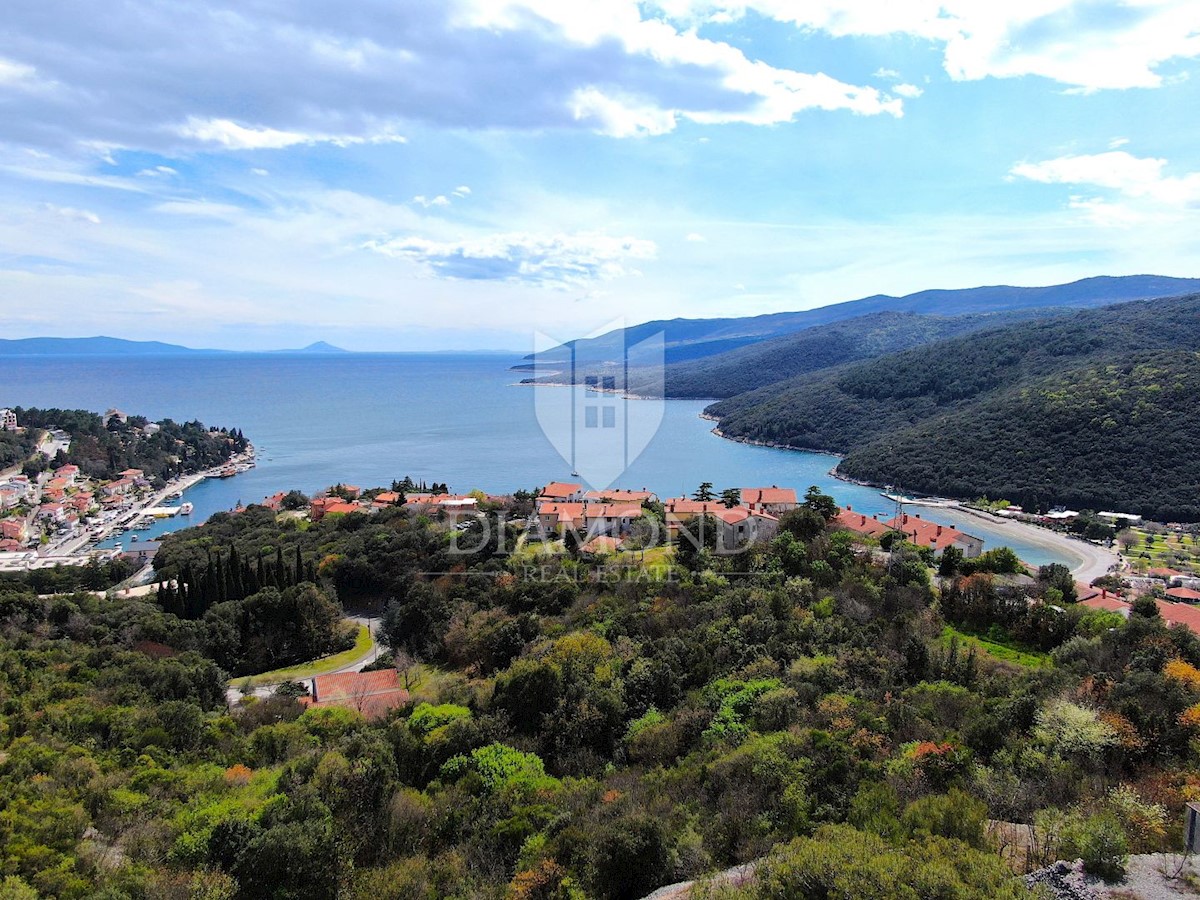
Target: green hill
[686, 339]
[821, 347]
[1046, 411]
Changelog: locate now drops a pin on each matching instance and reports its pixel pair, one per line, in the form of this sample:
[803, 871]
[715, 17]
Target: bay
[366, 419]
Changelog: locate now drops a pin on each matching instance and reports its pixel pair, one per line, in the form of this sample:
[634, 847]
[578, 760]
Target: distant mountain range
[110, 346]
[1094, 409]
[686, 339]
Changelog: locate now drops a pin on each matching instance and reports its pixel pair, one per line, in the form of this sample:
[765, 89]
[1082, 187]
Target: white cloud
[1129, 175]
[135, 78]
[696, 238]
[554, 260]
[261, 173]
[232, 136]
[75, 215]
[15, 73]
[909, 91]
[461, 191]
[157, 172]
[1115, 143]
[426, 202]
[1088, 44]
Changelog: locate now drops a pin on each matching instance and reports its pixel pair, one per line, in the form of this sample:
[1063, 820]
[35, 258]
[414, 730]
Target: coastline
[1090, 561]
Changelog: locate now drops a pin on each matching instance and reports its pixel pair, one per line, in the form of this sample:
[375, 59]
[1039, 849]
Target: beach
[1088, 561]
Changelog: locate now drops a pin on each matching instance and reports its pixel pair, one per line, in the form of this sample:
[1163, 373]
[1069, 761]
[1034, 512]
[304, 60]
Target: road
[233, 695]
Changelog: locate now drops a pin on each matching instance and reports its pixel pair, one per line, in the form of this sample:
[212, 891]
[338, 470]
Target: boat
[134, 538]
[227, 472]
[186, 509]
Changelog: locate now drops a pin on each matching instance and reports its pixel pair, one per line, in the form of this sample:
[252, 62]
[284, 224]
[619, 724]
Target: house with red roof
[611, 518]
[619, 496]
[736, 527]
[562, 492]
[601, 545]
[774, 499]
[560, 516]
[1183, 595]
[14, 529]
[387, 498]
[859, 523]
[924, 533]
[373, 694]
[1172, 613]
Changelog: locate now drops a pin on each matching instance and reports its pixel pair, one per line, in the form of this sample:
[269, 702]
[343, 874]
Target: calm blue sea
[367, 419]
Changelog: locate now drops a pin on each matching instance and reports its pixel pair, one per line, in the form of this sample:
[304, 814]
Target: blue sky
[406, 176]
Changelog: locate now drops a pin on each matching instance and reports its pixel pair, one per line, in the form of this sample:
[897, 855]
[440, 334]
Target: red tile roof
[602, 544]
[858, 522]
[1164, 572]
[560, 489]
[371, 693]
[618, 496]
[1185, 595]
[756, 496]
[609, 510]
[924, 533]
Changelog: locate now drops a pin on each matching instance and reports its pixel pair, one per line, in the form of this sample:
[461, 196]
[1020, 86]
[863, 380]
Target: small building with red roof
[860, 523]
[1183, 595]
[924, 533]
[562, 492]
[373, 694]
[774, 499]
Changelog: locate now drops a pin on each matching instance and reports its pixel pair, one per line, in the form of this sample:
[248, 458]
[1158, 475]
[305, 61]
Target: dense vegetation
[820, 347]
[103, 451]
[1038, 412]
[573, 733]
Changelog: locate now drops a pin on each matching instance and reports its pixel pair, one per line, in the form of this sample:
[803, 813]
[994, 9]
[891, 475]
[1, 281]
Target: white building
[8, 420]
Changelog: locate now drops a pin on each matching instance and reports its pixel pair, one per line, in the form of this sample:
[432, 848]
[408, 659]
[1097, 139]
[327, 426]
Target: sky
[424, 175]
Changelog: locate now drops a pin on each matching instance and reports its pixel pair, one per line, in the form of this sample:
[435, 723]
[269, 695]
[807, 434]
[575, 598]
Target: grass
[362, 646]
[1169, 549]
[1008, 651]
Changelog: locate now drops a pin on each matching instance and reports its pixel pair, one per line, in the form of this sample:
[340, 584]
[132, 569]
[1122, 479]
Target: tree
[731, 497]
[820, 502]
[704, 493]
[952, 558]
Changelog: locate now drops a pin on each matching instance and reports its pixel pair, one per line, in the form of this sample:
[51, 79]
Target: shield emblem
[599, 400]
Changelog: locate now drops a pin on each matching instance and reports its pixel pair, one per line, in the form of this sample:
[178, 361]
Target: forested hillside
[872, 411]
[685, 339]
[102, 451]
[821, 347]
[578, 733]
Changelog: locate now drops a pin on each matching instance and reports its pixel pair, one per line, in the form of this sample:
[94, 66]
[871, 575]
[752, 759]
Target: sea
[368, 419]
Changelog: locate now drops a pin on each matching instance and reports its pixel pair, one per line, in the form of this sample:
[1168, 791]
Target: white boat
[186, 509]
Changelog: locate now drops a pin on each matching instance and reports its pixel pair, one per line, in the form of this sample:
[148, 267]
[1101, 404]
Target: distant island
[110, 346]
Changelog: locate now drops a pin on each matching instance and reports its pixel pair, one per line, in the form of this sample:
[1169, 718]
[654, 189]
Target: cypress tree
[299, 566]
[280, 574]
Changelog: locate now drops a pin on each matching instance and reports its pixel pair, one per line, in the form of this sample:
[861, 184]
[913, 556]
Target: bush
[1100, 842]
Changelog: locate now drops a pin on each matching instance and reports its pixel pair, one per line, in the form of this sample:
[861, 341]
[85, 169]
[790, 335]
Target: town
[56, 515]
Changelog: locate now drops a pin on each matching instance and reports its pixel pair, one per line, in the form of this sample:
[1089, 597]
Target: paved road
[233, 695]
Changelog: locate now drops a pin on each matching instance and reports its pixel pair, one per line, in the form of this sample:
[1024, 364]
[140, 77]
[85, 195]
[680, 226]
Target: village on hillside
[57, 516]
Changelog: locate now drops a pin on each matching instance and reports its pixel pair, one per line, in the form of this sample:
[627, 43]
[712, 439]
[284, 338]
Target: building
[323, 506]
[774, 500]
[141, 552]
[610, 518]
[868, 526]
[118, 488]
[562, 492]
[620, 496]
[1183, 595]
[14, 529]
[8, 420]
[924, 533]
[114, 414]
[67, 473]
[560, 516]
[1172, 613]
[373, 694]
[736, 527]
